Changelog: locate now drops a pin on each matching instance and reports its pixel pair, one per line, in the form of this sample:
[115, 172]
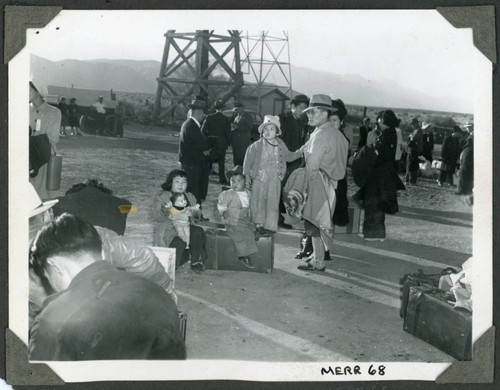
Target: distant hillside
[354, 89]
[122, 75]
[140, 76]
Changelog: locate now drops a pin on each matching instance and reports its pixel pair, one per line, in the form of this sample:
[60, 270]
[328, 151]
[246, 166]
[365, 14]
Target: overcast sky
[417, 49]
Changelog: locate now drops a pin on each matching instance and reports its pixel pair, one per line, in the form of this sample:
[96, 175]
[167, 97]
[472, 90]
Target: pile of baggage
[437, 308]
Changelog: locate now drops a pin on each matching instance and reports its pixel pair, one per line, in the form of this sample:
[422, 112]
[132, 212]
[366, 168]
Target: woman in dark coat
[450, 153]
[379, 194]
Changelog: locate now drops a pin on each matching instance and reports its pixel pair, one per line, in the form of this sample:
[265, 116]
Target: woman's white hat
[273, 120]
[35, 204]
[425, 125]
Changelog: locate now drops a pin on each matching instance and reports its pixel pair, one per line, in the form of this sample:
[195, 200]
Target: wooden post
[159, 91]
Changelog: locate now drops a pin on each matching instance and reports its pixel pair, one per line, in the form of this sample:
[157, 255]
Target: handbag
[54, 169]
[362, 165]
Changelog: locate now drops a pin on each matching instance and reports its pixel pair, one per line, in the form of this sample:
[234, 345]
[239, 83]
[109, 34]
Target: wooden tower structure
[266, 63]
[199, 63]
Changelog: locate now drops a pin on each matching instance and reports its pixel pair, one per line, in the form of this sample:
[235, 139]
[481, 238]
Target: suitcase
[432, 318]
[222, 253]
[419, 279]
[354, 222]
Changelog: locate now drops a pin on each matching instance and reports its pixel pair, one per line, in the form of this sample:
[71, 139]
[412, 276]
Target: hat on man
[425, 125]
[197, 104]
[239, 104]
[219, 105]
[469, 124]
[414, 121]
[300, 99]
[273, 120]
[237, 170]
[35, 204]
[320, 101]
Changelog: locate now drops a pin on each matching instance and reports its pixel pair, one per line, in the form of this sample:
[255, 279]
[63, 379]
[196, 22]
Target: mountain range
[140, 76]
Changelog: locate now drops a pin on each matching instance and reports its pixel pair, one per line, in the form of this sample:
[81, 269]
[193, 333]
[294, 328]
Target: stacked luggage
[430, 314]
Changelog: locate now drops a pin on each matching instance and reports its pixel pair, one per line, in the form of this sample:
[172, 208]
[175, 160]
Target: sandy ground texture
[348, 313]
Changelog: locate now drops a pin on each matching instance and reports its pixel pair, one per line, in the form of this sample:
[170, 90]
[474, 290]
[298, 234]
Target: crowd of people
[294, 175]
[70, 117]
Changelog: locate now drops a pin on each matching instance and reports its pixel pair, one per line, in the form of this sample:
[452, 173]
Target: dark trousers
[197, 178]
[411, 176]
[198, 245]
[374, 222]
[446, 176]
[100, 123]
[239, 154]
[118, 126]
[221, 161]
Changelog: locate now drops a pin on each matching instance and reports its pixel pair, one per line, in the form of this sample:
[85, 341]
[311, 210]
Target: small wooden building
[268, 100]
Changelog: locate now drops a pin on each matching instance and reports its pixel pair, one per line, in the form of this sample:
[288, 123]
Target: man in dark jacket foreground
[98, 312]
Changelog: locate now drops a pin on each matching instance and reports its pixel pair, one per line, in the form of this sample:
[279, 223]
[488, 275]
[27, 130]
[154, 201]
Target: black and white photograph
[261, 195]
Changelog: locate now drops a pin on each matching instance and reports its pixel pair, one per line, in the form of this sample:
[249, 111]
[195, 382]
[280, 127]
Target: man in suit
[218, 126]
[240, 130]
[98, 311]
[194, 150]
[427, 141]
[363, 132]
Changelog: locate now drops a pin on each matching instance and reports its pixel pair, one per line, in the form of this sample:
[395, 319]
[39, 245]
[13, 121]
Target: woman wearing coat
[164, 230]
[379, 194]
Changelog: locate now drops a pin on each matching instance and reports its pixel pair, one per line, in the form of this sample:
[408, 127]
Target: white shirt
[244, 199]
[99, 107]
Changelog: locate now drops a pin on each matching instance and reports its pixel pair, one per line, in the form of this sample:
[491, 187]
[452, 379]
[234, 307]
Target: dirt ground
[349, 313]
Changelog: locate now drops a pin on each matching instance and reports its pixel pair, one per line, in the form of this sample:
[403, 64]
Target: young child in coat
[179, 213]
[233, 205]
[264, 168]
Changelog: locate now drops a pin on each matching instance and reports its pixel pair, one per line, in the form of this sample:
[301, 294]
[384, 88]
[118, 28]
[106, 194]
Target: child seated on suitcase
[234, 207]
[179, 213]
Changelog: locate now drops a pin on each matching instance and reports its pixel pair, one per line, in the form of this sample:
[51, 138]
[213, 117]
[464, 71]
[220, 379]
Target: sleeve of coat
[290, 156]
[223, 202]
[53, 127]
[43, 341]
[249, 159]
[134, 258]
[318, 149]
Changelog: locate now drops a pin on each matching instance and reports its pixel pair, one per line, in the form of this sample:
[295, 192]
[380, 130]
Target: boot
[305, 247]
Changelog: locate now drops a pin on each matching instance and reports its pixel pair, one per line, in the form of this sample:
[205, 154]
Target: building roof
[84, 97]
[250, 90]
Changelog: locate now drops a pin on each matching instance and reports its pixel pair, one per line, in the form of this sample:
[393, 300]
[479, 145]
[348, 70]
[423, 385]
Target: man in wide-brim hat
[326, 160]
[217, 128]
[194, 150]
